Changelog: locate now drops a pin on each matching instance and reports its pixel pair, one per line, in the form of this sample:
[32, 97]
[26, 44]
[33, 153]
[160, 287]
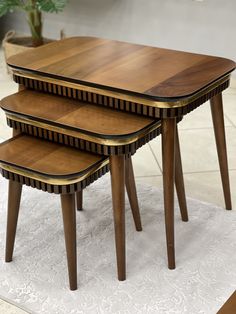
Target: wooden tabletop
[143, 71]
[230, 306]
[47, 158]
[94, 120]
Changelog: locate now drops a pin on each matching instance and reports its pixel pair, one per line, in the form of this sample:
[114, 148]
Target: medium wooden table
[149, 81]
[96, 129]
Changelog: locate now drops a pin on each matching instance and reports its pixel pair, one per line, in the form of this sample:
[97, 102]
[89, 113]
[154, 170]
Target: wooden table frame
[119, 149]
[169, 126]
[191, 81]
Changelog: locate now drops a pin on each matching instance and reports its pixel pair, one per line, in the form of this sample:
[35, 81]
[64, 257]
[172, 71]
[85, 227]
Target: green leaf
[51, 5]
[9, 5]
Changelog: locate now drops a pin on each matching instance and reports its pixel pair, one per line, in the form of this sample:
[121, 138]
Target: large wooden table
[149, 81]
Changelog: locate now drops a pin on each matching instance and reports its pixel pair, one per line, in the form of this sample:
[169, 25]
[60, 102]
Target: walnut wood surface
[168, 160]
[132, 193]
[124, 67]
[136, 107]
[96, 120]
[69, 222]
[179, 179]
[117, 167]
[79, 200]
[60, 137]
[230, 306]
[47, 158]
[219, 129]
[14, 197]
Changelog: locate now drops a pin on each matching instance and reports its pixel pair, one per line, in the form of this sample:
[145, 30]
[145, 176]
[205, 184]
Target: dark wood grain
[14, 196]
[63, 188]
[168, 160]
[76, 115]
[69, 222]
[179, 179]
[136, 106]
[79, 200]
[230, 306]
[124, 67]
[132, 193]
[74, 140]
[117, 169]
[219, 129]
[44, 157]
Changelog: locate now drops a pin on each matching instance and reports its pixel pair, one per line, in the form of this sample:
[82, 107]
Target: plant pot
[13, 44]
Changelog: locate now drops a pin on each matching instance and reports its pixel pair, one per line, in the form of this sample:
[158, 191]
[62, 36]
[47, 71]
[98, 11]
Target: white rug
[37, 278]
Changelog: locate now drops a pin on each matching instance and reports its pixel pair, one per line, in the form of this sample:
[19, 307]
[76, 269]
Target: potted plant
[33, 10]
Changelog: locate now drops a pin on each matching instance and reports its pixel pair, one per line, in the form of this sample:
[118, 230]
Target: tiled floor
[9, 308]
[200, 164]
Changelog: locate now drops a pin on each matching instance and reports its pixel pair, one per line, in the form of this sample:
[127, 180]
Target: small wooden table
[149, 81]
[96, 129]
[27, 160]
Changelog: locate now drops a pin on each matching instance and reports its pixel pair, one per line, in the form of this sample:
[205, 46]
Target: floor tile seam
[187, 173]
[234, 125]
[207, 128]
[155, 157]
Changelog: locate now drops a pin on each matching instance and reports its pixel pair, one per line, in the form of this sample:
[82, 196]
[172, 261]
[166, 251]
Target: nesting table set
[84, 106]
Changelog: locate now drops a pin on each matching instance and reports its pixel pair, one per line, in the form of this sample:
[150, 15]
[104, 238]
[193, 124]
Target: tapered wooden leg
[14, 196]
[69, 221]
[179, 180]
[79, 200]
[117, 169]
[219, 129]
[168, 155]
[132, 193]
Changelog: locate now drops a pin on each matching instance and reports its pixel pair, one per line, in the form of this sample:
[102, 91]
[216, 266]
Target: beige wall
[207, 26]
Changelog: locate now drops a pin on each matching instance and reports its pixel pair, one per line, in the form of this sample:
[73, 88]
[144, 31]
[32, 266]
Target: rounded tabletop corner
[146, 72]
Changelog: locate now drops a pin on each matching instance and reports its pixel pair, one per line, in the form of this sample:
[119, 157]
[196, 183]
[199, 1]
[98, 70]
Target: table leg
[14, 197]
[79, 200]
[117, 170]
[168, 160]
[132, 193]
[69, 222]
[179, 180]
[219, 129]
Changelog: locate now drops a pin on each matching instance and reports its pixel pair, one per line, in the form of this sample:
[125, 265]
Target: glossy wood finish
[69, 221]
[48, 184]
[168, 160]
[39, 156]
[117, 170]
[118, 66]
[219, 129]
[179, 179]
[73, 139]
[113, 66]
[132, 193]
[14, 197]
[130, 183]
[230, 306]
[22, 153]
[123, 102]
[67, 113]
[79, 200]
